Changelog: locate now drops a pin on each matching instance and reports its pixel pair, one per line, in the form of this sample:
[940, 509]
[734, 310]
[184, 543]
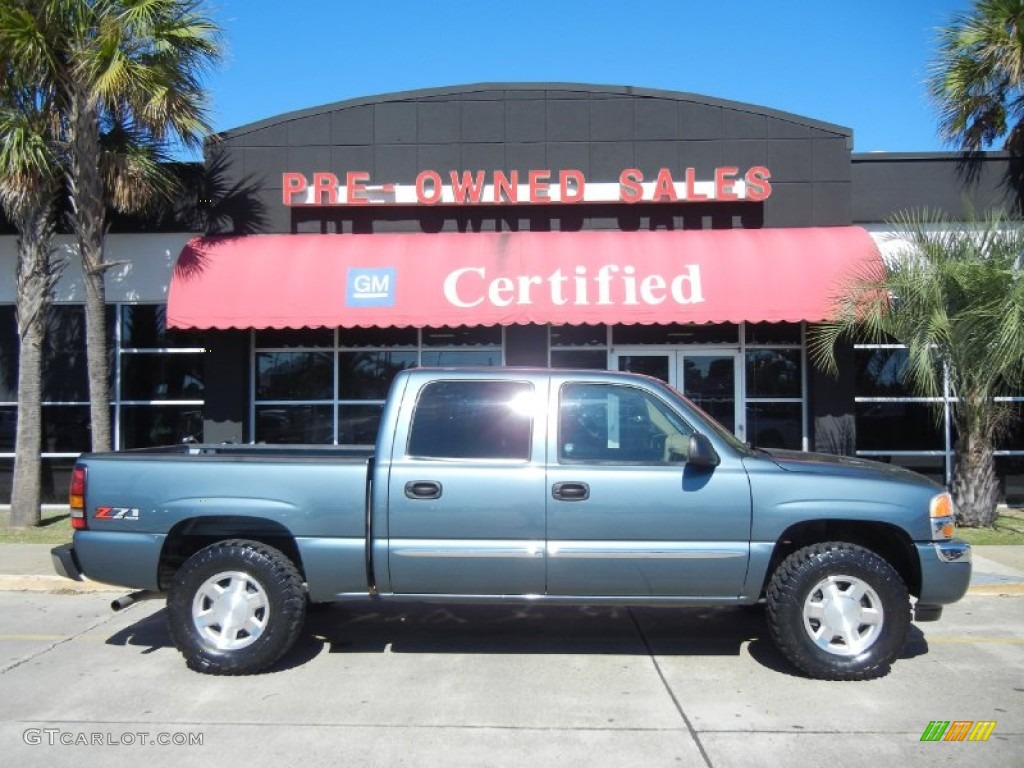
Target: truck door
[626, 514]
[466, 490]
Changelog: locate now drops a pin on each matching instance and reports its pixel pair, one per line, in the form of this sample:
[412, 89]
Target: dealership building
[685, 237]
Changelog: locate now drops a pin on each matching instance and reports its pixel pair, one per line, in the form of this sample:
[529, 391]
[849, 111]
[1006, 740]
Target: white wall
[143, 277]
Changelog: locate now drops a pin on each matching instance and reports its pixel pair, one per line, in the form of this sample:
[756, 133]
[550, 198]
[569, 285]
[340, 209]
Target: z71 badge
[117, 513]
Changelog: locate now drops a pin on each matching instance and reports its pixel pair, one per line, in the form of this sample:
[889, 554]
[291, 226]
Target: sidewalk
[998, 570]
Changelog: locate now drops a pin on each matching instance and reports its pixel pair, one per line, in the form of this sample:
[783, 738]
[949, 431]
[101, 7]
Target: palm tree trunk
[34, 284]
[975, 486]
[87, 198]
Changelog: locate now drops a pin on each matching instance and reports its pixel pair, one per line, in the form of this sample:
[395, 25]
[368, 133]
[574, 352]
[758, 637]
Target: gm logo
[369, 287]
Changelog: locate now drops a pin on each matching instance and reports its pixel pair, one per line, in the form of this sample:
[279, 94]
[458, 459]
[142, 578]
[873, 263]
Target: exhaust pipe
[123, 602]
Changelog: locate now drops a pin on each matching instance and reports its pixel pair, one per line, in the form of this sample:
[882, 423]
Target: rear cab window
[473, 420]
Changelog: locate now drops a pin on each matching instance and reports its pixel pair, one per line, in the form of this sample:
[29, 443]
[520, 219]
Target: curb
[1010, 589]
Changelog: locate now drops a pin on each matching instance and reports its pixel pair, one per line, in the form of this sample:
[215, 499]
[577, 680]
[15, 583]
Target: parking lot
[477, 686]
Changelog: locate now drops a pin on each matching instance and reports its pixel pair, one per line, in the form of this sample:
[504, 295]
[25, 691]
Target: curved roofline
[623, 90]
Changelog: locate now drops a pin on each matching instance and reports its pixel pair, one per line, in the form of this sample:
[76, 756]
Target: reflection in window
[368, 375]
[294, 376]
[304, 424]
[618, 424]
[774, 373]
[162, 376]
[898, 426]
[472, 420]
[775, 425]
[145, 426]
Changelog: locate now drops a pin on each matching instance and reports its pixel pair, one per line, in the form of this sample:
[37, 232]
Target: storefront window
[774, 373]
[157, 387]
[333, 390]
[294, 376]
[775, 425]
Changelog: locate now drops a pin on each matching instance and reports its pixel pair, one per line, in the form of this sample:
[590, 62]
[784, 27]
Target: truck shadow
[530, 629]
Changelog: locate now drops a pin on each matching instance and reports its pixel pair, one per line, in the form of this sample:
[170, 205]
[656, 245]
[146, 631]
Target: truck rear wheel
[235, 607]
[838, 611]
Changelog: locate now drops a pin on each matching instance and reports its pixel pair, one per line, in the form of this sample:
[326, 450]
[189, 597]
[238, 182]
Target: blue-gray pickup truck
[502, 485]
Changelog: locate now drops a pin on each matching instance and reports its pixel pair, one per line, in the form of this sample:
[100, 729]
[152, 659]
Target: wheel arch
[888, 541]
[190, 536]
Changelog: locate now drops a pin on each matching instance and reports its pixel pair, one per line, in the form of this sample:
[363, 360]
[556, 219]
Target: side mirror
[702, 453]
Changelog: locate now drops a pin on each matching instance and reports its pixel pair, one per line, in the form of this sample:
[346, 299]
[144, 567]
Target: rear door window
[473, 420]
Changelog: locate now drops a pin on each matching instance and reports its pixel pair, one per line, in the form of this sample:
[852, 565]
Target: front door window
[707, 378]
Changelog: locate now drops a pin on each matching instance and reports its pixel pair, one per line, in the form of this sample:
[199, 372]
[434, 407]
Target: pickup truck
[532, 485]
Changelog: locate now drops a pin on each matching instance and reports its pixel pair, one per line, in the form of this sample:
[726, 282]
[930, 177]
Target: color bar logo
[369, 287]
[958, 730]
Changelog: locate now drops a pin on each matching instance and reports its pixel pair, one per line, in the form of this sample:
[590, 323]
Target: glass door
[709, 378]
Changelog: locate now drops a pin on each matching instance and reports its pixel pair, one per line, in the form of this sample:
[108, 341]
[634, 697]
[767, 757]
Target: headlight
[943, 516]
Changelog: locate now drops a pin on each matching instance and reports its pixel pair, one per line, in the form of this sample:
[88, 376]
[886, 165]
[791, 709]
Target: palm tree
[29, 185]
[128, 69]
[954, 295]
[977, 77]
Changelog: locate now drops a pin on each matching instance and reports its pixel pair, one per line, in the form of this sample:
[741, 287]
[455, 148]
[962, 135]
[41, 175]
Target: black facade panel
[790, 159]
[791, 205]
[657, 119]
[737, 124]
[352, 126]
[832, 204]
[652, 156]
[345, 159]
[440, 122]
[831, 160]
[568, 155]
[831, 404]
[525, 120]
[263, 165]
[786, 129]
[612, 120]
[267, 136]
[394, 163]
[699, 121]
[883, 186]
[526, 345]
[483, 157]
[307, 131]
[483, 121]
[309, 160]
[439, 157]
[609, 158]
[568, 120]
[226, 413]
[525, 157]
[744, 153]
[702, 156]
[394, 123]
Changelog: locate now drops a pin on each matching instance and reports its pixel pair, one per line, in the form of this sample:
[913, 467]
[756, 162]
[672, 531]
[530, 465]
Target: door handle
[422, 489]
[570, 491]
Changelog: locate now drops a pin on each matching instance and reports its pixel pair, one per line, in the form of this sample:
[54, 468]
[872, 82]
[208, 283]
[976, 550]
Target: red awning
[506, 278]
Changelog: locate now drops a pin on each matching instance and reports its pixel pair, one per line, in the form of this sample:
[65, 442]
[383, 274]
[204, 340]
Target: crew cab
[538, 485]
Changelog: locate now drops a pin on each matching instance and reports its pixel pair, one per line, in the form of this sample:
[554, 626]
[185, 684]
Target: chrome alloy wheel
[843, 615]
[230, 610]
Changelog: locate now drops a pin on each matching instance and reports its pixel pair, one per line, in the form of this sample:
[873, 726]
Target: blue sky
[858, 63]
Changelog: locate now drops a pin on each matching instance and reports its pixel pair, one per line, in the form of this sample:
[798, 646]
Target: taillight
[76, 498]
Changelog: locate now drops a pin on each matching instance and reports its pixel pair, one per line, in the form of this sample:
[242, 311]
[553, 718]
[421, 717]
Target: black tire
[235, 607]
[838, 611]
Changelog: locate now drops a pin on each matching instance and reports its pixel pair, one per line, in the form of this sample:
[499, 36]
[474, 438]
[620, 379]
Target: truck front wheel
[235, 607]
[838, 611]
